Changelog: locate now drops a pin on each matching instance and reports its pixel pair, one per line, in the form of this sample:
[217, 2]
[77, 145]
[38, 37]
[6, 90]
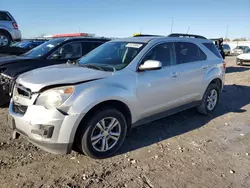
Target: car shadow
[237, 69]
[232, 99]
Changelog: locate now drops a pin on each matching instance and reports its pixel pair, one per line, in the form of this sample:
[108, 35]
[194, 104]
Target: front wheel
[102, 134]
[209, 100]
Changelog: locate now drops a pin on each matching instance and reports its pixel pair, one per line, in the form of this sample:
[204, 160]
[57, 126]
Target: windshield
[113, 54]
[44, 48]
[247, 50]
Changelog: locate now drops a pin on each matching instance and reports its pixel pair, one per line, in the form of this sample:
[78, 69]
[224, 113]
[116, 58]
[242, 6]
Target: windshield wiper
[93, 66]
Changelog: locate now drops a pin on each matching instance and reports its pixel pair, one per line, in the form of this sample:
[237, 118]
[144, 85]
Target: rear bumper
[48, 129]
[16, 35]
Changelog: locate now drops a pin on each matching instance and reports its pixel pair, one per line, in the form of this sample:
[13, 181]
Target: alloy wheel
[212, 99]
[3, 40]
[106, 134]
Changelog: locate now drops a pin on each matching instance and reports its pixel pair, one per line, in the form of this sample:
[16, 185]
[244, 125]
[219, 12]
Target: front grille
[19, 109]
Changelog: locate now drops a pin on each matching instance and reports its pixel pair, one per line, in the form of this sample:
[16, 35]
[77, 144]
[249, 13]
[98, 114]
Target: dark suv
[55, 51]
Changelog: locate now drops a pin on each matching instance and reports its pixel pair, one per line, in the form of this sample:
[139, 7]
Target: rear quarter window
[4, 17]
[213, 49]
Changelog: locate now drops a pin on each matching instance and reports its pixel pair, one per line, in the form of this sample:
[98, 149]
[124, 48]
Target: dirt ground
[184, 150]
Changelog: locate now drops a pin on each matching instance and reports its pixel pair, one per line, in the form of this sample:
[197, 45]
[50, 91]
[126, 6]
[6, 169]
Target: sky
[122, 18]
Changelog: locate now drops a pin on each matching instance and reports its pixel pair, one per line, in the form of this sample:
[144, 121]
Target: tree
[226, 39]
[240, 39]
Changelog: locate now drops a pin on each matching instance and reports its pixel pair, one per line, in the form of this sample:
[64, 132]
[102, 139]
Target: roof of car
[157, 38]
[83, 38]
[136, 39]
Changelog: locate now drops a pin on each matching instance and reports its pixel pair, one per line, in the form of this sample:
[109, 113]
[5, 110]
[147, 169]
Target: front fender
[87, 98]
[90, 97]
[93, 96]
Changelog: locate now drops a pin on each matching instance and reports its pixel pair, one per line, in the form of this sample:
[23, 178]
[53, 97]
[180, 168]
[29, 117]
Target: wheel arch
[5, 31]
[117, 104]
[218, 82]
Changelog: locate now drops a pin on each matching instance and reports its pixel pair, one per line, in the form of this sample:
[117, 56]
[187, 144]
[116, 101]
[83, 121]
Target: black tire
[7, 37]
[83, 136]
[203, 108]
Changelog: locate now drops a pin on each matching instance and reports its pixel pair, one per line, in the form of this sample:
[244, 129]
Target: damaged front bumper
[48, 129]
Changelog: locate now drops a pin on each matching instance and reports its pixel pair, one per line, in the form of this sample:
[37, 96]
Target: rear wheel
[209, 100]
[102, 134]
[5, 40]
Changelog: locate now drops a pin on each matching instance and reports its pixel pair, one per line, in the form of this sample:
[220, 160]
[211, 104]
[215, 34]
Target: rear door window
[213, 49]
[4, 17]
[188, 52]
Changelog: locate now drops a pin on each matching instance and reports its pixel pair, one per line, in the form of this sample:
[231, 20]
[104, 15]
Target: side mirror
[150, 65]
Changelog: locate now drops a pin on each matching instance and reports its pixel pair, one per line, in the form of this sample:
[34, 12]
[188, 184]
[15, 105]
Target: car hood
[244, 56]
[37, 79]
[11, 59]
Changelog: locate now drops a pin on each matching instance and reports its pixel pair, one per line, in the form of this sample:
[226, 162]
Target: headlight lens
[55, 97]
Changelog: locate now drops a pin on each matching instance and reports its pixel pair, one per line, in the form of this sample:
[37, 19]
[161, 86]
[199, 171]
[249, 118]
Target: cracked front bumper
[49, 129]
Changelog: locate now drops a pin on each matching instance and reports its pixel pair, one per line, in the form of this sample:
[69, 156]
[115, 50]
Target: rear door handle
[205, 67]
[175, 74]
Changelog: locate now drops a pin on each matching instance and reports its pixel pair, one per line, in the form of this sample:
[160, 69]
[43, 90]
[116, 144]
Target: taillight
[224, 64]
[15, 25]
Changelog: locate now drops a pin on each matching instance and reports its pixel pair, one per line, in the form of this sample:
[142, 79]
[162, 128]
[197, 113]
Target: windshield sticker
[133, 45]
[50, 45]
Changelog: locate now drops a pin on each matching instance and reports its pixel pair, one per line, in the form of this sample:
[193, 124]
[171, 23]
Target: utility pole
[172, 25]
[227, 31]
[188, 29]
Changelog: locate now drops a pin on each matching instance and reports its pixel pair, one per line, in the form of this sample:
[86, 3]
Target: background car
[226, 49]
[239, 50]
[55, 51]
[218, 42]
[245, 57]
[19, 48]
[8, 29]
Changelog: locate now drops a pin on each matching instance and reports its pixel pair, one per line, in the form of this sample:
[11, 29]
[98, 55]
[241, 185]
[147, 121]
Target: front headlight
[55, 97]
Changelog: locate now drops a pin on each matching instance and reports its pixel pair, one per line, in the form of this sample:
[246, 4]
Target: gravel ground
[184, 150]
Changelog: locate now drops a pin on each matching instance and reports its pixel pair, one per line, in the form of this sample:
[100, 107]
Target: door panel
[191, 66]
[156, 88]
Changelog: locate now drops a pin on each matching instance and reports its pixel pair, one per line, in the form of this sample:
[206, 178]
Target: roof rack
[186, 35]
[146, 35]
[70, 35]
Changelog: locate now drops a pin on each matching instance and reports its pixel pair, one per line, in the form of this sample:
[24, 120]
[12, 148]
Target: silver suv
[119, 85]
[8, 29]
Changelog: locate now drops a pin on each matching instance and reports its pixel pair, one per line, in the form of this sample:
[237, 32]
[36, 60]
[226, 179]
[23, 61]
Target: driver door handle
[175, 74]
